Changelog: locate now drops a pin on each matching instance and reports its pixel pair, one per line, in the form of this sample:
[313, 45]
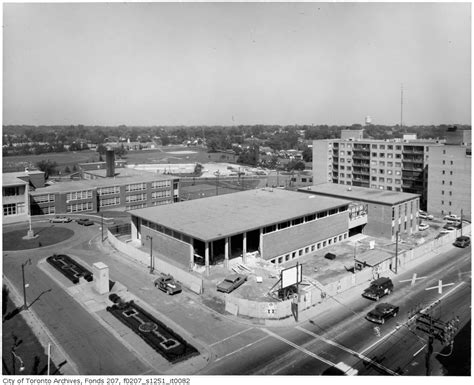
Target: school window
[374, 154]
[452, 163]
[450, 193]
[444, 162]
[450, 203]
[442, 192]
[450, 173]
[443, 172]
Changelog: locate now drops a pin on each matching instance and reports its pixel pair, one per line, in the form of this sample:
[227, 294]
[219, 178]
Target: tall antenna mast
[401, 107]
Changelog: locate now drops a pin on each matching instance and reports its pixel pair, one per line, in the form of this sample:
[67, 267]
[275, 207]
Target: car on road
[166, 283]
[231, 283]
[423, 226]
[424, 215]
[462, 241]
[378, 288]
[60, 220]
[451, 217]
[382, 312]
[447, 229]
[84, 222]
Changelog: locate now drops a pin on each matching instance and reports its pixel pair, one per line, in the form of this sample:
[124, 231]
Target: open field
[171, 154]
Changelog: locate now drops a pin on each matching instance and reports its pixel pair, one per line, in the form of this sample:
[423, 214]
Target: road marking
[303, 350]
[410, 319]
[348, 350]
[232, 336]
[418, 351]
[242, 348]
[412, 280]
[440, 286]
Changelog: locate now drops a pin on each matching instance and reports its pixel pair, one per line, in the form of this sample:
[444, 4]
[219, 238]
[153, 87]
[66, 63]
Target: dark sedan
[382, 312]
[85, 222]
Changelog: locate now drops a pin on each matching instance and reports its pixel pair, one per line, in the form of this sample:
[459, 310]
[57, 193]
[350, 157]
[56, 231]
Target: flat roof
[122, 176]
[364, 194]
[373, 257]
[225, 215]
[13, 178]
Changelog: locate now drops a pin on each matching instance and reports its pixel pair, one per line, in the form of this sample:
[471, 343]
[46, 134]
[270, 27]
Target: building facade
[393, 165]
[281, 225]
[449, 185]
[388, 212]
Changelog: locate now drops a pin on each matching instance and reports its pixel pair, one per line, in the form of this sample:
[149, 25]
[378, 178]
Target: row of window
[135, 206]
[167, 231]
[13, 191]
[444, 172]
[13, 209]
[135, 187]
[382, 179]
[305, 219]
[135, 198]
[382, 163]
[404, 207]
[450, 182]
[77, 195]
[160, 194]
[48, 210]
[108, 190]
[308, 249]
[74, 208]
[449, 203]
[44, 198]
[159, 203]
[399, 227]
[161, 184]
[114, 201]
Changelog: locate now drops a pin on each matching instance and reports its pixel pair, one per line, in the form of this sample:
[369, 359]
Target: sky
[236, 63]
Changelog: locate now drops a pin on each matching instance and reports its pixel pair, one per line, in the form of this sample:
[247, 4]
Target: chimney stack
[110, 162]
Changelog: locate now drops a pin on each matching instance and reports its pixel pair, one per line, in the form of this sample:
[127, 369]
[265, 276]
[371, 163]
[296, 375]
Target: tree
[67, 170]
[296, 165]
[307, 154]
[47, 166]
[165, 140]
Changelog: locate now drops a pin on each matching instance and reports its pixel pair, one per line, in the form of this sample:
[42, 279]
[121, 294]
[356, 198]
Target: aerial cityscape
[197, 190]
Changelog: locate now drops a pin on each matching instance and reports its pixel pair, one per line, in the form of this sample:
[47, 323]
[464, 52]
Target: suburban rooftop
[356, 193]
[225, 215]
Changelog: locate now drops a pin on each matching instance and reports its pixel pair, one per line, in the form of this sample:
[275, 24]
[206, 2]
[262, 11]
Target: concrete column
[244, 248]
[260, 247]
[191, 255]
[226, 253]
[206, 258]
[212, 249]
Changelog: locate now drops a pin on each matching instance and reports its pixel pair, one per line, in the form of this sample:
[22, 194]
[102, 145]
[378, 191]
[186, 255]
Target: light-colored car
[423, 226]
[60, 220]
[231, 283]
[447, 230]
[453, 217]
[425, 215]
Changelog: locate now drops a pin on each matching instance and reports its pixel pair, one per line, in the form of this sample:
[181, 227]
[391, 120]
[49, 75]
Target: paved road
[341, 334]
[234, 346]
[88, 343]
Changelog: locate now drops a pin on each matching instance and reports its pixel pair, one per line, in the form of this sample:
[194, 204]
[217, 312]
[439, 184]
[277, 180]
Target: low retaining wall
[312, 296]
[188, 280]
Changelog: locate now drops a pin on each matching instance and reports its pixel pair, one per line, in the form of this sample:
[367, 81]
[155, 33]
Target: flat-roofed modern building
[127, 189]
[281, 225]
[387, 211]
[393, 165]
[449, 184]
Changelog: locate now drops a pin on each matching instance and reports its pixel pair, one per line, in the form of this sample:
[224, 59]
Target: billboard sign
[291, 276]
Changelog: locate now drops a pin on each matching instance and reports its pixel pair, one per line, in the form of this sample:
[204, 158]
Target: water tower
[368, 120]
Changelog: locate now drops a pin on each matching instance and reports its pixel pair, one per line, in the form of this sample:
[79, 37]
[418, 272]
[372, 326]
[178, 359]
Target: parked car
[378, 288]
[462, 241]
[447, 229]
[382, 312]
[231, 283]
[423, 226]
[60, 220]
[424, 215]
[85, 222]
[452, 217]
[166, 283]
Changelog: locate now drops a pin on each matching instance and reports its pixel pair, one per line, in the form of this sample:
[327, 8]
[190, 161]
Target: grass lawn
[28, 348]
[13, 240]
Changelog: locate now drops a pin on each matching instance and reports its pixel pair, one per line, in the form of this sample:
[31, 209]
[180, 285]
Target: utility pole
[401, 107]
[25, 305]
[102, 226]
[151, 253]
[396, 252]
[461, 222]
[436, 330]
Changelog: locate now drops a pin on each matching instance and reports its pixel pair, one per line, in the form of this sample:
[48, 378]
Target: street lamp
[28, 262]
[217, 173]
[396, 252]
[151, 253]
[16, 356]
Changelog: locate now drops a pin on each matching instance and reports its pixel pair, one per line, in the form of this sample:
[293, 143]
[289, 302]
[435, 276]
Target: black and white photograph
[195, 191]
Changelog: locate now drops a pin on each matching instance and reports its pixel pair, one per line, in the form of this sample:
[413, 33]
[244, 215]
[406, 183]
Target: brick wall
[296, 237]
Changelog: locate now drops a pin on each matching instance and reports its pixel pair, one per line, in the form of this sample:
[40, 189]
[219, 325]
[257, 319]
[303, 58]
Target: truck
[166, 283]
[378, 288]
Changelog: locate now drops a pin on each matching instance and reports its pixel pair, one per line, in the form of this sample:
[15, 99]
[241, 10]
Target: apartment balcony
[361, 155]
[360, 183]
[412, 167]
[361, 171]
[361, 147]
[358, 220]
[413, 150]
